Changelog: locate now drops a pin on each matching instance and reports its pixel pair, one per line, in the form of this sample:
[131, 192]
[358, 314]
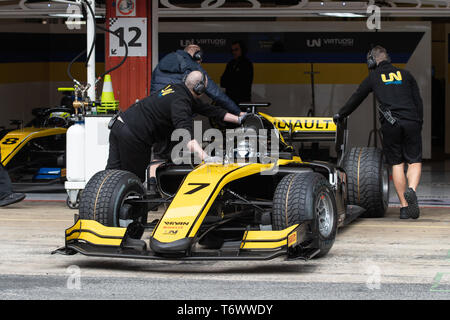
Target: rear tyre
[307, 197]
[103, 198]
[367, 181]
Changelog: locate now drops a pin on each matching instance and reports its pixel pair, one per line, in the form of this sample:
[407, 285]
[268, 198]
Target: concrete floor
[383, 258]
[434, 188]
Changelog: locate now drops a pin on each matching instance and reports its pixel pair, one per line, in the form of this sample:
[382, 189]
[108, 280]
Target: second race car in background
[34, 154]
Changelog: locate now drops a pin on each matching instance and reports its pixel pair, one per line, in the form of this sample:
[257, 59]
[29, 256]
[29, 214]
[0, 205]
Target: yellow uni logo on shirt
[167, 90]
[394, 78]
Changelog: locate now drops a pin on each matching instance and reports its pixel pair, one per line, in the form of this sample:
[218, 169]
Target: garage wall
[33, 62]
[284, 81]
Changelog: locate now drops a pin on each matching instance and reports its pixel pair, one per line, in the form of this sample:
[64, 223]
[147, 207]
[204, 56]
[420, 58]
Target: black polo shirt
[394, 88]
[157, 116]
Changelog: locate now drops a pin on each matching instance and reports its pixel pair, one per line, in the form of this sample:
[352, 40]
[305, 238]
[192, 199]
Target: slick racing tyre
[307, 197]
[367, 181]
[103, 199]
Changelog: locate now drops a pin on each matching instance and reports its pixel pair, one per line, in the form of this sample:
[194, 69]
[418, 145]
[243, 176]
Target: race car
[34, 154]
[236, 210]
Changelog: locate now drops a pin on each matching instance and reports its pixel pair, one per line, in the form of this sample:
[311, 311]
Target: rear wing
[304, 129]
[312, 129]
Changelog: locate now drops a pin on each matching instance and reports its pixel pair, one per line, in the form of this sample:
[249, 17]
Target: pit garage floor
[383, 258]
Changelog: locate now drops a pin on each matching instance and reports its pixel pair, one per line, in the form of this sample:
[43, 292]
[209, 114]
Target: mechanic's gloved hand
[242, 117]
[213, 159]
[337, 117]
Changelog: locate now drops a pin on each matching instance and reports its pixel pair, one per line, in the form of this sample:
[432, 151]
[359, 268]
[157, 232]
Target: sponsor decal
[304, 124]
[295, 47]
[170, 232]
[209, 42]
[176, 223]
[167, 90]
[394, 78]
[326, 42]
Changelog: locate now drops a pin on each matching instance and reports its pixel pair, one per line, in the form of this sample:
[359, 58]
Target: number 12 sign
[133, 31]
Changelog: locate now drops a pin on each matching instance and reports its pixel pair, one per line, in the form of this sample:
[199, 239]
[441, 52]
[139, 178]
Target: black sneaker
[12, 198]
[404, 214]
[413, 206]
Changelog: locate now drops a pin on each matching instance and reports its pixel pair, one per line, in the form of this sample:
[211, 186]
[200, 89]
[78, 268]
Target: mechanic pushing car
[172, 69]
[401, 117]
[7, 196]
[154, 118]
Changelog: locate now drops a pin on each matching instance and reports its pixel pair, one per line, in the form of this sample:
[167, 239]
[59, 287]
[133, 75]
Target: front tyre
[307, 197]
[104, 198]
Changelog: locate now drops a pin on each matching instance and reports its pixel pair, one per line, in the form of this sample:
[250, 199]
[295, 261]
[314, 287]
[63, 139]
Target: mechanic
[401, 117]
[153, 119]
[7, 196]
[172, 69]
[238, 76]
[176, 65]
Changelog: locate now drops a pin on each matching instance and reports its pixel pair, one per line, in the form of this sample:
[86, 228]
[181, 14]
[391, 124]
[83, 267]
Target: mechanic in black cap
[401, 116]
[154, 118]
[7, 196]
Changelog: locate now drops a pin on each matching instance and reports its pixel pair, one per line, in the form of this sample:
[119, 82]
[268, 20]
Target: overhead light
[65, 15]
[76, 22]
[69, 15]
[342, 14]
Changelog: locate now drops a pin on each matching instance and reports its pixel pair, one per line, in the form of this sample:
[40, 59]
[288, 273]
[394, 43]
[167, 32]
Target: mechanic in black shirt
[401, 116]
[154, 118]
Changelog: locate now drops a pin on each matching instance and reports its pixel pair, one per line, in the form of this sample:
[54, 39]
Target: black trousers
[5, 182]
[127, 152]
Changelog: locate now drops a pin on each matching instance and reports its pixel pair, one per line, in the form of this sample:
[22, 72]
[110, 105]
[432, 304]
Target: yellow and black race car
[276, 206]
[34, 154]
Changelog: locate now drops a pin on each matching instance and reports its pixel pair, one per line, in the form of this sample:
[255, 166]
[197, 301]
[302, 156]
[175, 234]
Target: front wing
[91, 238]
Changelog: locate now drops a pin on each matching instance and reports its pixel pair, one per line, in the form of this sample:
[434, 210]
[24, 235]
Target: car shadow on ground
[275, 266]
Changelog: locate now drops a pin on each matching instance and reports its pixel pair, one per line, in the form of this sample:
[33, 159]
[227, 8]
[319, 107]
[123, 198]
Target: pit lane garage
[318, 220]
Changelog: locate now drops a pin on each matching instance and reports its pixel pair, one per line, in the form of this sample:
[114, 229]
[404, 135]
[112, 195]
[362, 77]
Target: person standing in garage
[154, 118]
[7, 196]
[401, 116]
[238, 76]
